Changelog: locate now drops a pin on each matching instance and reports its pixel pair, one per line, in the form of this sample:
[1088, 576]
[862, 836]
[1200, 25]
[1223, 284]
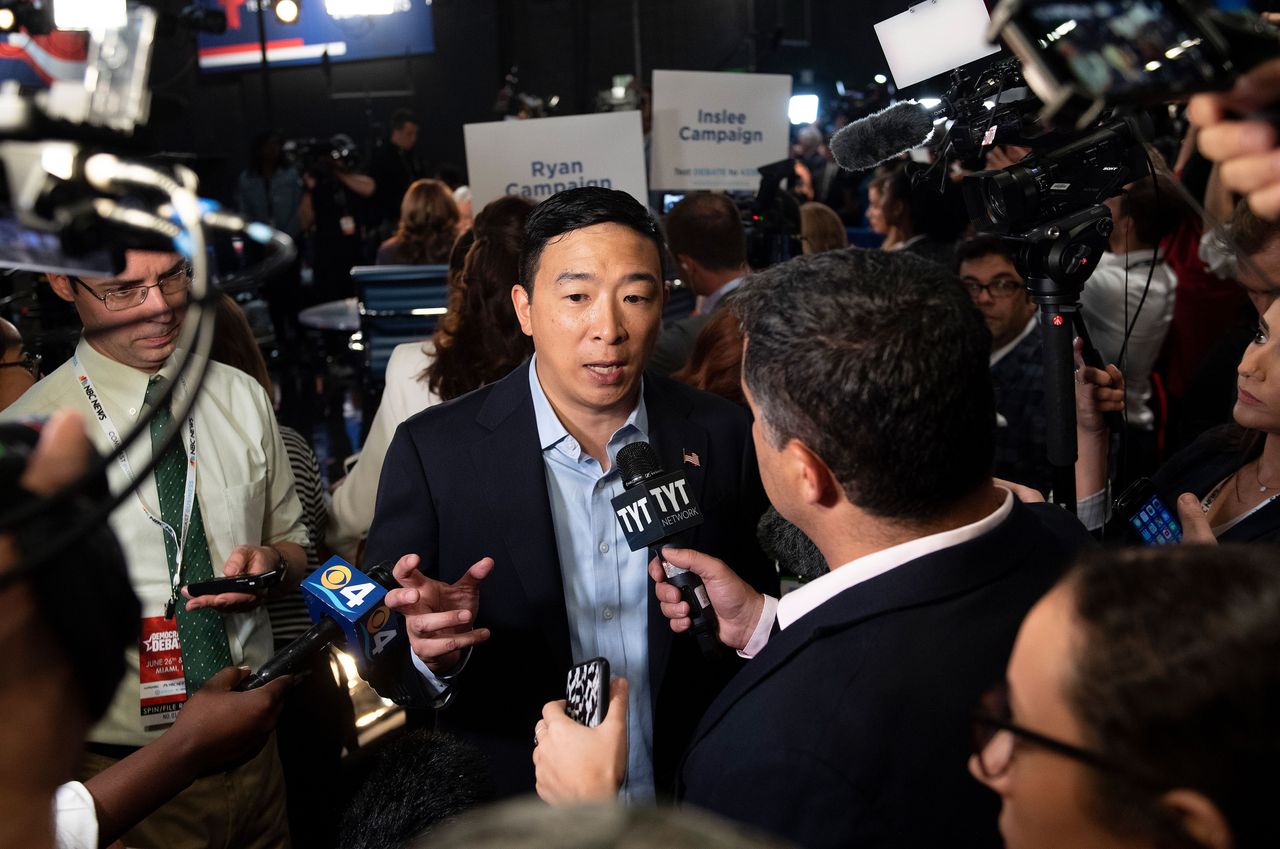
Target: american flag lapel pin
[691, 458]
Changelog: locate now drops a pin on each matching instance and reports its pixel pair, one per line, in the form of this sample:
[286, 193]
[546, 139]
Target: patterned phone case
[587, 692]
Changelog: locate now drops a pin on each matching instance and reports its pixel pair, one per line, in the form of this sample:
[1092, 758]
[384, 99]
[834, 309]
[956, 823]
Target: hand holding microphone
[737, 604]
[657, 509]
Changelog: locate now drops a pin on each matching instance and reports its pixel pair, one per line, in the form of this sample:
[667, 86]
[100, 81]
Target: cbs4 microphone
[656, 509]
[348, 608]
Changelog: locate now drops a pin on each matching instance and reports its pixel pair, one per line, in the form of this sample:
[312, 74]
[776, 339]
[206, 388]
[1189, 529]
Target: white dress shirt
[1103, 304]
[809, 597]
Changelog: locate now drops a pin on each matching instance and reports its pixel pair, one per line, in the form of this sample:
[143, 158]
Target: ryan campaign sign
[714, 131]
[537, 158]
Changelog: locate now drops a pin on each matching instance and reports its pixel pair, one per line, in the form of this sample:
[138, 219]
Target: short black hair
[1155, 207]
[1175, 676]
[707, 227]
[400, 117]
[879, 363]
[576, 209]
[985, 244]
[419, 781]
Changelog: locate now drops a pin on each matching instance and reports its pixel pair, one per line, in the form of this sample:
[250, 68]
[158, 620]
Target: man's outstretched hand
[439, 617]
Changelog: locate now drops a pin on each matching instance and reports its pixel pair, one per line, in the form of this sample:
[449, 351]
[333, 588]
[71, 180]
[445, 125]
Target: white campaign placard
[714, 131]
[542, 156]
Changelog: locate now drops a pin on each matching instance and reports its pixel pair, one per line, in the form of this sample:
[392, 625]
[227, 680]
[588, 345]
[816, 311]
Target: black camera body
[320, 158]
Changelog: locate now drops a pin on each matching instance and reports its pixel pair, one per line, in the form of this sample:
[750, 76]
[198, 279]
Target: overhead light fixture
[881, 79]
[7, 20]
[287, 11]
[341, 9]
[96, 15]
[803, 108]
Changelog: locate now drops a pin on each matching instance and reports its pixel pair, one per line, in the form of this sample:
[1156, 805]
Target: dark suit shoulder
[700, 404]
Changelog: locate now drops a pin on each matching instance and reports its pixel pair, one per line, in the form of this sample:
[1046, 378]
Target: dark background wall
[570, 48]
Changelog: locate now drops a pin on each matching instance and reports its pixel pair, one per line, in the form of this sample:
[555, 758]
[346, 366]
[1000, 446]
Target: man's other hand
[575, 763]
[439, 617]
[737, 605]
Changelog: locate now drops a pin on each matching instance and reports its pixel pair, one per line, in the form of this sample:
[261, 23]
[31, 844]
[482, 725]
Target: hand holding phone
[236, 584]
[1148, 518]
[586, 692]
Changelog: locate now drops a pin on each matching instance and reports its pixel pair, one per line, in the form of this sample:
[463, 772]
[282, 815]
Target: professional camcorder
[321, 157]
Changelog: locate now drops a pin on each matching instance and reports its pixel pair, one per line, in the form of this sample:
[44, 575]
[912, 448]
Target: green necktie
[201, 632]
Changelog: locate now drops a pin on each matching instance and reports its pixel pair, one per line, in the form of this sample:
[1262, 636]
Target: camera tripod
[1055, 259]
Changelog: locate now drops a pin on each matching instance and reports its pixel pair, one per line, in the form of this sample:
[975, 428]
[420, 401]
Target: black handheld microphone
[657, 509]
[347, 609]
[881, 136]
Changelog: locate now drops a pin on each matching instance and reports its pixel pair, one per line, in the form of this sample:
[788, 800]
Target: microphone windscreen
[880, 137]
[788, 545]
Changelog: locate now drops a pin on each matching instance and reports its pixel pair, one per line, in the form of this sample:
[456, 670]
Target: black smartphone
[1147, 516]
[237, 584]
[587, 692]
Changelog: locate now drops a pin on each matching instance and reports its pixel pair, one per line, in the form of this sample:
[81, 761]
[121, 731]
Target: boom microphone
[879, 137]
[347, 607]
[657, 509]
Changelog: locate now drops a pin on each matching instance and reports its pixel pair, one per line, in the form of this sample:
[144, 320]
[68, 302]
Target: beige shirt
[404, 395]
[244, 486]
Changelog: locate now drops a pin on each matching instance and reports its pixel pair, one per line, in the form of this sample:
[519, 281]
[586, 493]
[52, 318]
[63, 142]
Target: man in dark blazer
[867, 372]
[496, 506]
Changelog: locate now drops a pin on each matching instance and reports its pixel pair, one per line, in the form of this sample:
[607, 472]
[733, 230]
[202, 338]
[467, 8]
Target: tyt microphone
[347, 607]
[657, 509]
[881, 136]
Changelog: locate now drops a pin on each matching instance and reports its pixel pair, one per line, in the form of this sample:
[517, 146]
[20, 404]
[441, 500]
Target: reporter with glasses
[221, 502]
[1140, 706]
[19, 368]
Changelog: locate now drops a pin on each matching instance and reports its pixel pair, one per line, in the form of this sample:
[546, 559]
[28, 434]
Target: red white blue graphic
[342, 30]
[44, 59]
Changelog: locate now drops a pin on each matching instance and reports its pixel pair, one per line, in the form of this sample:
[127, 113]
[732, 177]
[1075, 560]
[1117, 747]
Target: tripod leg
[1058, 332]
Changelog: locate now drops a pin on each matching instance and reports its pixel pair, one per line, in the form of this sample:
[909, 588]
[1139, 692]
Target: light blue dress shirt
[606, 584]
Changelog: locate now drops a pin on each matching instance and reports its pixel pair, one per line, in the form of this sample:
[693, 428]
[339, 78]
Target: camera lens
[993, 195]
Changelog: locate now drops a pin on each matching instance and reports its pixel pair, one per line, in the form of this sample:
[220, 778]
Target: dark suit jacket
[851, 727]
[1204, 464]
[465, 480]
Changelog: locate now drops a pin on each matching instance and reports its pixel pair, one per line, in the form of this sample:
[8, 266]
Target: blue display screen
[1155, 523]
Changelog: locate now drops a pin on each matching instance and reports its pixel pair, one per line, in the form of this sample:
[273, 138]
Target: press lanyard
[188, 495]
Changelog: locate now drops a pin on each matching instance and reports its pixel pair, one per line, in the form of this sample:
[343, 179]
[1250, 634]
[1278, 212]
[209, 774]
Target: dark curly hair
[479, 339]
[1176, 676]
[880, 364]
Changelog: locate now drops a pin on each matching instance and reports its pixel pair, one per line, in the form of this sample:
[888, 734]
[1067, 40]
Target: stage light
[803, 108]
[89, 14]
[287, 11]
[881, 79]
[7, 20]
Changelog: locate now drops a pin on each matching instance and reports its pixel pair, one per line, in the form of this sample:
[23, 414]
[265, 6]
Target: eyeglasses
[995, 739]
[28, 361]
[999, 290]
[116, 300]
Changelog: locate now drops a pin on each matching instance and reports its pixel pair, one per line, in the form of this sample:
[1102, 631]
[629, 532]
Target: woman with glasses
[1142, 707]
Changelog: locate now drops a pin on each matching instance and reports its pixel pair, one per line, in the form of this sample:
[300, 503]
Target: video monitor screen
[1123, 51]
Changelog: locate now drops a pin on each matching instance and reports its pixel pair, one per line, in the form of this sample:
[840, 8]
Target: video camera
[321, 157]
[771, 218]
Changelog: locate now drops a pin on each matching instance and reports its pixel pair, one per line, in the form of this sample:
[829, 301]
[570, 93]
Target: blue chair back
[398, 304]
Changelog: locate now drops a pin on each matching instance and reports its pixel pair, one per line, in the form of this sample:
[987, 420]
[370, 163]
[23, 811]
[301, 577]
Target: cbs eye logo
[335, 577]
[377, 619]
